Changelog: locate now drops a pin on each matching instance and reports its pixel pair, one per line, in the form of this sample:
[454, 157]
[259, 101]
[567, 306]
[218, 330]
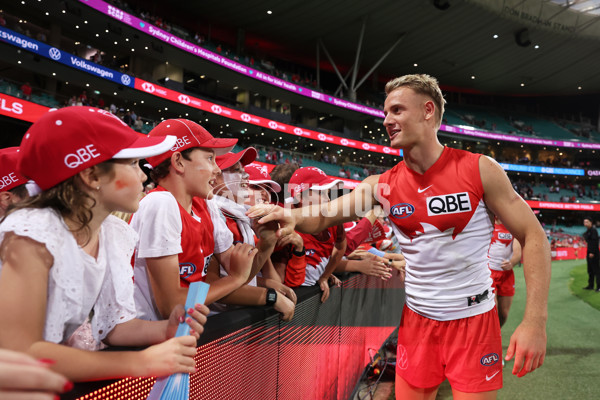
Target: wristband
[299, 253]
[271, 297]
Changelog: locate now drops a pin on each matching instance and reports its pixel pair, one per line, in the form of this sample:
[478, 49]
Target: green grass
[572, 366]
[579, 279]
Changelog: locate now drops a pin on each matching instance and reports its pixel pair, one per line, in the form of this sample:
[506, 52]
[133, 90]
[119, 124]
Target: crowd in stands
[288, 72]
[557, 190]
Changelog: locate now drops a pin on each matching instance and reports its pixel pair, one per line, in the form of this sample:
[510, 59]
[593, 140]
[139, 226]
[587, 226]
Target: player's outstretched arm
[314, 219]
[528, 342]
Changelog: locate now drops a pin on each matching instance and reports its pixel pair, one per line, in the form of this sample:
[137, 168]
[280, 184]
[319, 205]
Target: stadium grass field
[572, 366]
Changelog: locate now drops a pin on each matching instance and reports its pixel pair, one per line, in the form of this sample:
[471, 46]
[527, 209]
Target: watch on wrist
[299, 253]
[271, 297]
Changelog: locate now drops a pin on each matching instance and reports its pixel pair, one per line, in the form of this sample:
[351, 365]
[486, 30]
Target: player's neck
[421, 157]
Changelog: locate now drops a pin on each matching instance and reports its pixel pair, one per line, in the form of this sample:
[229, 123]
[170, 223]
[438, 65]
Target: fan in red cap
[68, 258]
[232, 197]
[261, 184]
[309, 186]
[311, 178]
[12, 184]
[189, 135]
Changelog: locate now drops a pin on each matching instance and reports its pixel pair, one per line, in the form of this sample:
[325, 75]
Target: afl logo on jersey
[402, 210]
[448, 204]
[310, 252]
[489, 359]
[186, 270]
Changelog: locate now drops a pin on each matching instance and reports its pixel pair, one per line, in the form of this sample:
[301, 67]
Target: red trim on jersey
[445, 196]
[197, 241]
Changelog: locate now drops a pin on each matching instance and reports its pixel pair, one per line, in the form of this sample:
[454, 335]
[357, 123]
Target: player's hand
[591, 255]
[528, 346]
[271, 213]
[506, 265]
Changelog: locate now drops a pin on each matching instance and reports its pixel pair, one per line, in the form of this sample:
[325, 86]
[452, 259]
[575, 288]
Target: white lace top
[78, 282]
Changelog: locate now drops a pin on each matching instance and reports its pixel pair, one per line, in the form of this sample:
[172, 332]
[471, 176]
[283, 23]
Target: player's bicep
[503, 201]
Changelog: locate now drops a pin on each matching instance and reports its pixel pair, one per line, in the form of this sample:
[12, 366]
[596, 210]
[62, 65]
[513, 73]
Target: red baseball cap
[9, 177]
[311, 178]
[66, 141]
[245, 157]
[259, 175]
[189, 134]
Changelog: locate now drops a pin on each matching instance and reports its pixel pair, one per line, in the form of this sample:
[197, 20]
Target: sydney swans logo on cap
[81, 156]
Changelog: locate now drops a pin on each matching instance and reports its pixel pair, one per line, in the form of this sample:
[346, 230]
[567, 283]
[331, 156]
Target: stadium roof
[516, 47]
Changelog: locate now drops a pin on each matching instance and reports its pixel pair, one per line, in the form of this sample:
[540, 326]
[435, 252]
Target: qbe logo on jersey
[504, 236]
[448, 204]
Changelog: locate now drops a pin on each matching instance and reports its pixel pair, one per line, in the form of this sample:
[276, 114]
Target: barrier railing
[249, 353]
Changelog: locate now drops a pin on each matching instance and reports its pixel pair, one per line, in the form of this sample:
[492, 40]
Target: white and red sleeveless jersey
[501, 247]
[444, 232]
[318, 253]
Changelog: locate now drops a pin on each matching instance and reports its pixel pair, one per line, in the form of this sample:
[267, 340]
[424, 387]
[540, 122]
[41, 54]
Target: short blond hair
[422, 84]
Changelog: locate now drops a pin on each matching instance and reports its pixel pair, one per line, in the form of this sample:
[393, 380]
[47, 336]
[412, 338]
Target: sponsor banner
[47, 51]
[20, 109]
[593, 172]
[213, 108]
[543, 170]
[518, 139]
[191, 48]
[563, 206]
[568, 253]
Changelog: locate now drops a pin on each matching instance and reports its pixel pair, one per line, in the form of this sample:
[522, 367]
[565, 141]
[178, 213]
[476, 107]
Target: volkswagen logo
[216, 109]
[183, 99]
[322, 137]
[273, 125]
[148, 87]
[245, 117]
[125, 79]
[344, 142]
[54, 53]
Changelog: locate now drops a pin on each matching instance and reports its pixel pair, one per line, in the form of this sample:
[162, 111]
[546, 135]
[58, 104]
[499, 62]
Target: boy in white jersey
[438, 199]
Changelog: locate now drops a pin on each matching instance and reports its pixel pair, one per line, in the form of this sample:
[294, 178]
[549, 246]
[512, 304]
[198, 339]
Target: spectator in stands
[593, 255]
[80, 255]
[26, 90]
[13, 188]
[176, 224]
[138, 124]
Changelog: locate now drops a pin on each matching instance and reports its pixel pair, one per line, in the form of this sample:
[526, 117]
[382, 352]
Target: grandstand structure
[304, 80]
